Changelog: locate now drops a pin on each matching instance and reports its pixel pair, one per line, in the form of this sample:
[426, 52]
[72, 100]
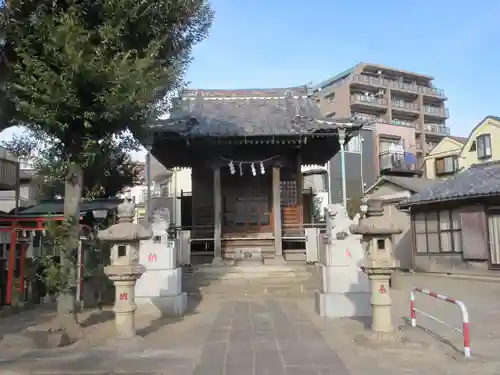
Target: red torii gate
[17, 225]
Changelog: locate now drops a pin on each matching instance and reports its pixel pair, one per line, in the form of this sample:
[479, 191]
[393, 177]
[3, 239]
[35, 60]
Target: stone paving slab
[253, 337]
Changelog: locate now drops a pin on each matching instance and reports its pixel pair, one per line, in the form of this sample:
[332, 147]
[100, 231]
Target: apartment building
[407, 112]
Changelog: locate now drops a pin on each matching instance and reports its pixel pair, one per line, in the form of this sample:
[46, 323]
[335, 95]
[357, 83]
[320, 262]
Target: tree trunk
[66, 301]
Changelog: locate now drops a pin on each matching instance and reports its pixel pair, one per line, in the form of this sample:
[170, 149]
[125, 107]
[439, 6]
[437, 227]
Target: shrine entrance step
[245, 280]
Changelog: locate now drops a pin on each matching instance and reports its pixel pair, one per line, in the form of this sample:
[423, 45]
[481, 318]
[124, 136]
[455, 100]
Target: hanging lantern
[254, 172]
[231, 168]
[262, 170]
[241, 169]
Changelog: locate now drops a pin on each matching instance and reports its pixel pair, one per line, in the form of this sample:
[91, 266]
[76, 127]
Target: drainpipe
[361, 140]
[342, 165]
[148, 183]
[175, 198]
[328, 184]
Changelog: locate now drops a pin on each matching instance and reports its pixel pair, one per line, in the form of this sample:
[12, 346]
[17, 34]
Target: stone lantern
[125, 269]
[379, 265]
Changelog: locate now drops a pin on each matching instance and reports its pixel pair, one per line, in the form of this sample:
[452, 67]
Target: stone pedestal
[344, 289]
[159, 291]
[124, 279]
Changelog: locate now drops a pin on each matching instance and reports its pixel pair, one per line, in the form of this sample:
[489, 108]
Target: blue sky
[272, 43]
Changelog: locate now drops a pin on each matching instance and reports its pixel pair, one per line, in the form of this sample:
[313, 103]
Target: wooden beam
[217, 215]
[277, 212]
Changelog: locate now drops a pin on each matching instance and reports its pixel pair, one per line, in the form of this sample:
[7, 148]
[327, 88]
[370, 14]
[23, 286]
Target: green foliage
[59, 277]
[318, 214]
[104, 176]
[82, 73]
[81, 70]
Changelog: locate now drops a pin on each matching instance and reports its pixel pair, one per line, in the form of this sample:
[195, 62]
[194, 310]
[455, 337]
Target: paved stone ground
[277, 336]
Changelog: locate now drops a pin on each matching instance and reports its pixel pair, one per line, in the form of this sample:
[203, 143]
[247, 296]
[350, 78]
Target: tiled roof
[242, 113]
[459, 139]
[414, 184]
[480, 180]
[335, 78]
[55, 207]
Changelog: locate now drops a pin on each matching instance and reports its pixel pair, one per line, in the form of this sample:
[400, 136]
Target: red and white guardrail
[465, 330]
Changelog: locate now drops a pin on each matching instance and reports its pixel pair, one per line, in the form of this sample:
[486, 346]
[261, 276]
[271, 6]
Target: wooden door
[494, 240]
[247, 205]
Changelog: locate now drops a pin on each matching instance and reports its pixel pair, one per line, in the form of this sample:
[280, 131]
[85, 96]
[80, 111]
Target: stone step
[277, 283]
[256, 290]
[295, 257]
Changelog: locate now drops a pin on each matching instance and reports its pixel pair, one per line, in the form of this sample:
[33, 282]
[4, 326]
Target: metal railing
[394, 84]
[7, 154]
[405, 105]
[465, 330]
[394, 160]
[409, 124]
[356, 98]
[431, 110]
[439, 129]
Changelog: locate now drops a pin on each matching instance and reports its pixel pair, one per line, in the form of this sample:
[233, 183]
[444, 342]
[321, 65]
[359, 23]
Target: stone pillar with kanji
[379, 265]
[344, 290]
[124, 270]
[159, 291]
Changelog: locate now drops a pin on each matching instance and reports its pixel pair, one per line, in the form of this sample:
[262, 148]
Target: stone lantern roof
[125, 230]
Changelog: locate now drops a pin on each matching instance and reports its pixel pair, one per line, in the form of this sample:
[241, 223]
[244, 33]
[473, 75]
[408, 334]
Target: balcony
[8, 169]
[398, 85]
[371, 81]
[408, 124]
[406, 106]
[436, 111]
[368, 118]
[398, 163]
[368, 100]
[437, 129]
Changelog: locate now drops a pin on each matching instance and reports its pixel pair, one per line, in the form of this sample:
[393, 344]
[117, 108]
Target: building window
[438, 232]
[144, 196]
[330, 98]
[483, 144]
[472, 146]
[354, 144]
[446, 165]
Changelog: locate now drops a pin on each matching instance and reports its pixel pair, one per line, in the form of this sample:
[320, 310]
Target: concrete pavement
[260, 336]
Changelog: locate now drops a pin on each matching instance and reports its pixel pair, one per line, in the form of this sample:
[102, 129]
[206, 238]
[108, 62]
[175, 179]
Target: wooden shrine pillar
[217, 217]
[11, 264]
[278, 236]
[300, 193]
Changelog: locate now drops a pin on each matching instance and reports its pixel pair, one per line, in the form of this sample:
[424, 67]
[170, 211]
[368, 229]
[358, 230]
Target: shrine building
[246, 148]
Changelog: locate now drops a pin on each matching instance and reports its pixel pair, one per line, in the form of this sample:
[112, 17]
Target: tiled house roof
[459, 139]
[243, 113]
[480, 180]
[413, 184]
